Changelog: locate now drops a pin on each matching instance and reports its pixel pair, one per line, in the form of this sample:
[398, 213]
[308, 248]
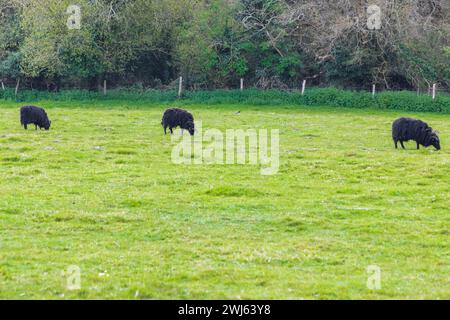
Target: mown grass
[99, 191]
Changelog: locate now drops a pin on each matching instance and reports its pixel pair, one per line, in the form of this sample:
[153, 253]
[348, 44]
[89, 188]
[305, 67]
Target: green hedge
[400, 100]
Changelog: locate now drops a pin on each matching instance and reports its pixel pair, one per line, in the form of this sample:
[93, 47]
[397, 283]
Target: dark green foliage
[10, 66]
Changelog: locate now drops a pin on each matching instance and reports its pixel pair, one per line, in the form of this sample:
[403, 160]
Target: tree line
[55, 44]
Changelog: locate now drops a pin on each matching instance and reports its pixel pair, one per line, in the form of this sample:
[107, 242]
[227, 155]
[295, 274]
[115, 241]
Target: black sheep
[34, 115]
[175, 117]
[404, 129]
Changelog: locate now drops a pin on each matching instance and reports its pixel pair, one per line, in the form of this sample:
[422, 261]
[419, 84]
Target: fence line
[434, 90]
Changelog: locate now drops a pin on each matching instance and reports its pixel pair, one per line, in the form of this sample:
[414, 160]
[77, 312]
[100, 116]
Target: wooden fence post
[17, 87]
[180, 87]
[3, 86]
[373, 90]
[434, 91]
[104, 87]
[303, 87]
[242, 84]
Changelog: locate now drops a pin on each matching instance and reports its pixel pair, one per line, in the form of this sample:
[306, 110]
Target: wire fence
[433, 90]
[180, 86]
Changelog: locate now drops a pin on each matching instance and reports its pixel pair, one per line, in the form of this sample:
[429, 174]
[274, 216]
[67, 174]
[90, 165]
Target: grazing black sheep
[175, 117]
[404, 129]
[34, 115]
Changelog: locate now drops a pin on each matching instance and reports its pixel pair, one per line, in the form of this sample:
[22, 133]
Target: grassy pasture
[99, 191]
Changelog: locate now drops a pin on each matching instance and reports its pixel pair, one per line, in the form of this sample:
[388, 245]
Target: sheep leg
[171, 131]
[35, 127]
[396, 146]
[401, 143]
[25, 126]
[417, 146]
[165, 130]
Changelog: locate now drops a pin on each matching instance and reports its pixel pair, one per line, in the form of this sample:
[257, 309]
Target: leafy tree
[208, 48]
[11, 37]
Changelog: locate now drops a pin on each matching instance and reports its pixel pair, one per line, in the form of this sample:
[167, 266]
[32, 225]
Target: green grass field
[99, 191]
